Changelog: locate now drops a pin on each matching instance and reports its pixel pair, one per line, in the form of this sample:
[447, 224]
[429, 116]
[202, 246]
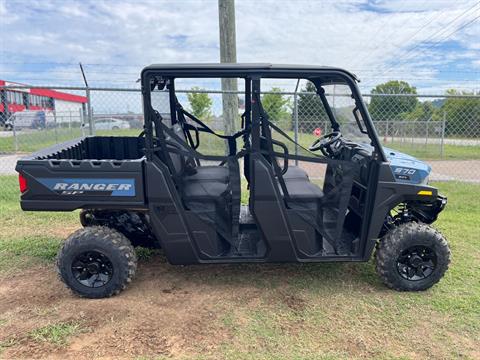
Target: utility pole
[228, 54]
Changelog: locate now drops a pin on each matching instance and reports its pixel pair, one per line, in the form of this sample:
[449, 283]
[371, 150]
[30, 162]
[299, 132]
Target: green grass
[36, 140]
[419, 150]
[328, 303]
[32, 141]
[298, 311]
[29, 236]
[433, 151]
[56, 334]
[210, 145]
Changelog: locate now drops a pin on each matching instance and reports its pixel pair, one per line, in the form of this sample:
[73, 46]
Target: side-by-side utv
[335, 200]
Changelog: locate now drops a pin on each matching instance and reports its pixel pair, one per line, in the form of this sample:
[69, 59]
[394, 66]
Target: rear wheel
[96, 262]
[412, 257]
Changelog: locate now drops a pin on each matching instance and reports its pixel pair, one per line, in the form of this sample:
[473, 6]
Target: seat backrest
[178, 160]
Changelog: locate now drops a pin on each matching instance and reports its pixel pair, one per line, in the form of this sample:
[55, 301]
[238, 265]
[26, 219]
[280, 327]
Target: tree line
[461, 114]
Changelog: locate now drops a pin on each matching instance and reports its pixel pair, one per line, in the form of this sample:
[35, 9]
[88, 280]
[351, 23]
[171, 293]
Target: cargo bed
[89, 172]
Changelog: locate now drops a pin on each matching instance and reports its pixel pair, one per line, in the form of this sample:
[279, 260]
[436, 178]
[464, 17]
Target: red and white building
[34, 99]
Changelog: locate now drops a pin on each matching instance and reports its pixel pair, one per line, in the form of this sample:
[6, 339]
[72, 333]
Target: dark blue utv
[336, 200]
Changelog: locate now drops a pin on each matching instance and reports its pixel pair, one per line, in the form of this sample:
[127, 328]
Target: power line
[397, 61]
[403, 41]
[383, 23]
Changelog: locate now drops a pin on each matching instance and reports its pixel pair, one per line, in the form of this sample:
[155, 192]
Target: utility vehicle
[161, 189]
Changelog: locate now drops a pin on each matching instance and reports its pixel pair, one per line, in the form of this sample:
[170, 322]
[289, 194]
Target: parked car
[111, 124]
[30, 119]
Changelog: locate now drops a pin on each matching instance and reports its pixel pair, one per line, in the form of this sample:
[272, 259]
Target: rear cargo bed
[88, 172]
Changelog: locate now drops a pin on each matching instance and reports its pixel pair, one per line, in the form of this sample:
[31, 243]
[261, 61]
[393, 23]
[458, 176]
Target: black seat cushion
[208, 173]
[303, 190]
[295, 172]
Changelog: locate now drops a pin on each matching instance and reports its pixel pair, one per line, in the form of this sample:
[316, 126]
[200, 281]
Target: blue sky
[433, 44]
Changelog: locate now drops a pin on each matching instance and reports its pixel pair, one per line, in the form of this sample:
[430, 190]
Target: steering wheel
[325, 142]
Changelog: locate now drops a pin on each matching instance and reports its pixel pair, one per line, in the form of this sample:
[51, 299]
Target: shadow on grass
[306, 276]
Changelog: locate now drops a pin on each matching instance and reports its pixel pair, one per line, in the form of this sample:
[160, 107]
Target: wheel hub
[92, 269]
[416, 263]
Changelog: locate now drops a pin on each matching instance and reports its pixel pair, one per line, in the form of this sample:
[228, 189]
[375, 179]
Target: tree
[200, 103]
[388, 108]
[462, 114]
[276, 105]
[424, 111]
[311, 112]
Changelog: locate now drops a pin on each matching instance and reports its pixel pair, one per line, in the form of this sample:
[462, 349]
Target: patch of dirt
[193, 311]
[294, 302]
[155, 316]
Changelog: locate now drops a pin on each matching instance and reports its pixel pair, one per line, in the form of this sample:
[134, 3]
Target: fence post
[443, 133]
[385, 137]
[426, 133]
[82, 121]
[55, 124]
[412, 131]
[15, 135]
[91, 128]
[295, 123]
[70, 122]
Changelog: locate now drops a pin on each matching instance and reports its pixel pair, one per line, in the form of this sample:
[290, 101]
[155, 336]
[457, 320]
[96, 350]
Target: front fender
[389, 193]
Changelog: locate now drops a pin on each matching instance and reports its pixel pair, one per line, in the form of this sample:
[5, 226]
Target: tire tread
[111, 238]
[387, 251]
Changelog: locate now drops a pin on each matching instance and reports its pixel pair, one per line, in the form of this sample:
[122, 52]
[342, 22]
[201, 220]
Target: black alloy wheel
[416, 263]
[92, 269]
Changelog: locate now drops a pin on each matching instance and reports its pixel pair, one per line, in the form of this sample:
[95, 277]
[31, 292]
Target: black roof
[245, 69]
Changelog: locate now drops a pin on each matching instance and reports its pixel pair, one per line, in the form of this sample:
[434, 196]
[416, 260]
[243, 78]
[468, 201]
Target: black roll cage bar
[162, 76]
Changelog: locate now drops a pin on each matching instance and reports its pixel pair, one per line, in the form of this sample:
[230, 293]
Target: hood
[406, 168]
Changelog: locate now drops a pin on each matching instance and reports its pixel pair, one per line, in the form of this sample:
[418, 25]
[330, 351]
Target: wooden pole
[228, 54]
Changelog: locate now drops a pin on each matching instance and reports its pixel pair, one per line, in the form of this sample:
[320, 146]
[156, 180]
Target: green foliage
[462, 115]
[276, 105]
[311, 112]
[424, 111]
[391, 108]
[200, 103]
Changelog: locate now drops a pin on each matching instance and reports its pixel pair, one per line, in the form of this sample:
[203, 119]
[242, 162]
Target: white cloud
[136, 33]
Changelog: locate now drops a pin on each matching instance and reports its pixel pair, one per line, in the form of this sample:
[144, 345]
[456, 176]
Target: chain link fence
[443, 130]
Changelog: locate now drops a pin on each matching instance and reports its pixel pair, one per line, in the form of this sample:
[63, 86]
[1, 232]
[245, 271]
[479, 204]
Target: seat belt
[164, 154]
[231, 139]
[268, 135]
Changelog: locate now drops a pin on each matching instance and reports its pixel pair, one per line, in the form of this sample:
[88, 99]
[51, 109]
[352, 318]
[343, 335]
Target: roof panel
[239, 69]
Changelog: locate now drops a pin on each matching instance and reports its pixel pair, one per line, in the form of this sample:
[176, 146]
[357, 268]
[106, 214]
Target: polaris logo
[97, 187]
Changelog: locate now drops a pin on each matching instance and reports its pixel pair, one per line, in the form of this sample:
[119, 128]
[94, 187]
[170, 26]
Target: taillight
[23, 183]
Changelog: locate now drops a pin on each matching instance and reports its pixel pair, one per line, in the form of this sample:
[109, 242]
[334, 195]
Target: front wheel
[412, 257]
[96, 262]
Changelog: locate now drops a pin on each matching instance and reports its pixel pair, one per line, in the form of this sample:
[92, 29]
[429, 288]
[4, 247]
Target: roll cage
[164, 75]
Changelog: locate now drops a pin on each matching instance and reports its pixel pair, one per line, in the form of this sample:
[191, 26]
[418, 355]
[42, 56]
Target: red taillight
[23, 183]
